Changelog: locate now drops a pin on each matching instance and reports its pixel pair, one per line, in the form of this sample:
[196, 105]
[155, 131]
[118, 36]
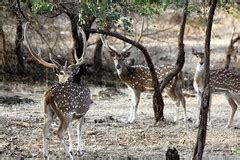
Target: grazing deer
[221, 81]
[67, 100]
[138, 79]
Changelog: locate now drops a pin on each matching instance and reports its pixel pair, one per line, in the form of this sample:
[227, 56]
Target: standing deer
[67, 100]
[138, 79]
[221, 81]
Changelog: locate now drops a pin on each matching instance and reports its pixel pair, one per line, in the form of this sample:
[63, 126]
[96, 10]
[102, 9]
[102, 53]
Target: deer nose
[118, 66]
[201, 63]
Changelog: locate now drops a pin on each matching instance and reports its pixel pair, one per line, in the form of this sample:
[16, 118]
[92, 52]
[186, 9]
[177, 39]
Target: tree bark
[97, 58]
[11, 65]
[3, 45]
[18, 44]
[157, 99]
[201, 137]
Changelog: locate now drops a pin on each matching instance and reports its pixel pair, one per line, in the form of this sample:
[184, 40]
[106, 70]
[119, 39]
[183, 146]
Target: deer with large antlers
[138, 78]
[66, 100]
[221, 81]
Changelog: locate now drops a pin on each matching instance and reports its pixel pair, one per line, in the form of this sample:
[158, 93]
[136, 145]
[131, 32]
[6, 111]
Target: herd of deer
[70, 100]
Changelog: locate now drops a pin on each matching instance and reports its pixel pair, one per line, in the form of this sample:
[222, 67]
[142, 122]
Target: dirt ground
[106, 133]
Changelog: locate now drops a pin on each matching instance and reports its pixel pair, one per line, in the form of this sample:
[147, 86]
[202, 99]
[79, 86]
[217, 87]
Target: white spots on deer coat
[70, 98]
[139, 76]
[225, 80]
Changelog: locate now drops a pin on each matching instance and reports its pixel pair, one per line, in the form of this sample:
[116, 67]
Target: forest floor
[106, 133]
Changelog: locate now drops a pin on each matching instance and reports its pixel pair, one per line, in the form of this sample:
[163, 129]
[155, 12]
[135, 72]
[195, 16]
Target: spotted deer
[138, 78]
[224, 81]
[66, 100]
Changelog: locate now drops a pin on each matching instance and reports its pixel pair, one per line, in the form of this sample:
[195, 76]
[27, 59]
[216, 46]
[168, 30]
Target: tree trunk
[157, 99]
[97, 59]
[2, 45]
[13, 62]
[18, 44]
[201, 137]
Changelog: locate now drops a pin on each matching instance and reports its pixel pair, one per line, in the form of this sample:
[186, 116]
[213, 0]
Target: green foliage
[231, 8]
[146, 9]
[40, 7]
[106, 15]
[151, 7]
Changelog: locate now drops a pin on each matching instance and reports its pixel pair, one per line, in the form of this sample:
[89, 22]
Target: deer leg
[181, 98]
[234, 108]
[183, 101]
[64, 123]
[199, 108]
[79, 136]
[134, 105]
[199, 98]
[48, 118]
[176, 110]
[70, 134]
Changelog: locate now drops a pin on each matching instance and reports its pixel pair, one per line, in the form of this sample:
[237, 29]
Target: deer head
[63, 72]
[199, 55]
[119, 56]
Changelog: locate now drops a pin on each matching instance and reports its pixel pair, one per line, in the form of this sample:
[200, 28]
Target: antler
[81, 60]
[107, 45]
[112, 49]
[126, 49]
[38, 56]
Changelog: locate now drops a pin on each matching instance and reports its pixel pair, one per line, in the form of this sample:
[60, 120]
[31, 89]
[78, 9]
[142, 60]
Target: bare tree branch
[20, 10]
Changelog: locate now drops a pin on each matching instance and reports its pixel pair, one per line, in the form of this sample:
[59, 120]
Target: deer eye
[61, 73]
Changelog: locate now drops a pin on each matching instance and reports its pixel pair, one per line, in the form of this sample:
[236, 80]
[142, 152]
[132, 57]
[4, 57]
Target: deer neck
[199, 77]
[123, 72]
[76, 75]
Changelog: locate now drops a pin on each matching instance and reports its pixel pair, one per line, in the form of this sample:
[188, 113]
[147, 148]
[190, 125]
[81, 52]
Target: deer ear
[126, 54]
[130, 61]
